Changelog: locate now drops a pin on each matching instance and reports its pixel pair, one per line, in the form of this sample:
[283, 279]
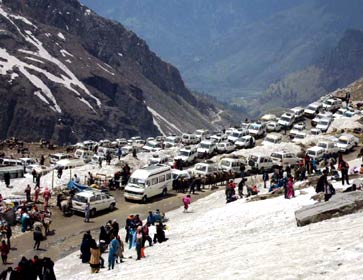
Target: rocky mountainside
[236, 48]
[69, 74]
[335, 68]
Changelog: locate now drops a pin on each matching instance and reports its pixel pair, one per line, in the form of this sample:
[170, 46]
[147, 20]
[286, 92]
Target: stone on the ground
[339, 205]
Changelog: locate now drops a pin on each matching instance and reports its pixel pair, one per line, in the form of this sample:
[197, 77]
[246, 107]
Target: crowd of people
[137, 235]
[30, 269]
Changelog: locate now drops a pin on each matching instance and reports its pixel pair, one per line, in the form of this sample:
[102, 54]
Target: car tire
[112, 207]
[164, 193]
[144, 199]
[93, 213]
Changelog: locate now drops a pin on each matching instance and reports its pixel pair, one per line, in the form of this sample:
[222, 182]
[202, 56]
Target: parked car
[316, 153]
[298, 112]
[148, 182]
[172, 141]
[206, 147]
[236, 134]
[283, 158]
[103, 151]
[225, 147]
[68, 163]
[330, 148]
[201, 134]
[299, 136]
[152, 146]
[315, 131]
[232, 164]
[273, 126]
[187, 155]
[218, 138]
[320, 116]
[98, 201]
[86, 155]
[272, 138]
[27, 161]
[190, 139]
[299, 127]
[287, 119]
[347, 142]
[351, 113]
[53, 158]
[340, 113]
[158, 159]
[176, 174]
[40, 169]
[257, 129]
[268, 117]
[312, 109]
[247, 141]
[258, 163]
[323, 124]
[332, 104]
[204, 169]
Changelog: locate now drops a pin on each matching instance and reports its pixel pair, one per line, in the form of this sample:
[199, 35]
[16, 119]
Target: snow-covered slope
[256, 240]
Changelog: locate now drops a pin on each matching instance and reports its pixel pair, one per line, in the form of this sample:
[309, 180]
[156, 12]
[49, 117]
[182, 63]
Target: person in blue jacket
[112, 253]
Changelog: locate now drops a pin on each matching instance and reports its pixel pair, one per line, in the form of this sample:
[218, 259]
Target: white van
[287, 119]
[103, 151]
[316, 153]
[27, 161]
[187, 155]
[312, 109]
[68, 163]
[204, 169]
[53, 158]
[298, 112]
[347, 142]
[10, 162]
[158, 159]
[257, 129]
[272, 138]
[83, 154]
[152, 146]
[201, 133]
[232, 164]
[257, 163]
[332, 105]
[188, 139]
[148, 182]
[236, 134]
[98, 201]
[283, 158]
[172, 141]
[206, 147]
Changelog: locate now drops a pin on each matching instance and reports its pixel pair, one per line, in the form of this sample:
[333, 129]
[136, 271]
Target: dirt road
[67, 232]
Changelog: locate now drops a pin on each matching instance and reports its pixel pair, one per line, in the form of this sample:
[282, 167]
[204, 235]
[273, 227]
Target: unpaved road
[68, 231]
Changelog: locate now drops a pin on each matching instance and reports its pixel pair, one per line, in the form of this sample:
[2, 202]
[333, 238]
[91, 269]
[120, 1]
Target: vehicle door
[106, 201]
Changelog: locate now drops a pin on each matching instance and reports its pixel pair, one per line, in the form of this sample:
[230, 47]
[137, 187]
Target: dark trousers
[138, 250]
[327, 196]
[345, 177]
[127, 235]
[147, 238]
[4, 258]
[37, 244]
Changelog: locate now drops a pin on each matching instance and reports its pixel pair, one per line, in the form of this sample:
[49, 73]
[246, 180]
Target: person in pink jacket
[186, 201]
[290, 188]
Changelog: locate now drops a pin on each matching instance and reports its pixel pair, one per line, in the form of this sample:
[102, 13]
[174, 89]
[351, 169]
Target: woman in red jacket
[4, 249]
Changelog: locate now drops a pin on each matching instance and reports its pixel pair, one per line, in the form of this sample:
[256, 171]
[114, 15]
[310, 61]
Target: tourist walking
[112, 253]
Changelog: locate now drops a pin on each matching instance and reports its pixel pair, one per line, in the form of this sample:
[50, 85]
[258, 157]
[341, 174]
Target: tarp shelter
[77, 186]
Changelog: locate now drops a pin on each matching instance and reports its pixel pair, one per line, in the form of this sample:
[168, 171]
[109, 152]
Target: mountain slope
[68, 74]
[236, 47]
[336, 68]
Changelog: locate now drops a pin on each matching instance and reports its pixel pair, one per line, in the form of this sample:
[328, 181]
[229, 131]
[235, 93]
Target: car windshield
[312, 108]
[183, 153]
[204, 146]
[276, 155]
[201, 168]
[253, 158]
[311, 153]
[150, 145]
[344, 142]
[329, 102]
[138, 183]
[242, 140]
[300, 136]
[236, 134]
[270, 139]
[285, 118]
[323, 145]
[255, 127]
[225, 163]
[80, 198]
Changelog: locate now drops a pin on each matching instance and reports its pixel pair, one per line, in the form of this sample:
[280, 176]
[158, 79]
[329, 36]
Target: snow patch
[34, 59]
[87, 12]
[23, 19]
[159, 117]
[60, 35]
[120, 54]
[65, 53]
[104, 69]
[345, 123]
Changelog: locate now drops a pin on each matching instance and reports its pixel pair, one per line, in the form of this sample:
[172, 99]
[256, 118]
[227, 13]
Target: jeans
[111, 261]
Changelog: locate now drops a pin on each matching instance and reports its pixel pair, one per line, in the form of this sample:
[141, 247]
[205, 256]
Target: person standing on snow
[27, 193]
[7, 179]
[290, 188]
[344, 168]
[36, 194]
[46, 196]
[139, 242]
[187, 200]
[112, 252]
